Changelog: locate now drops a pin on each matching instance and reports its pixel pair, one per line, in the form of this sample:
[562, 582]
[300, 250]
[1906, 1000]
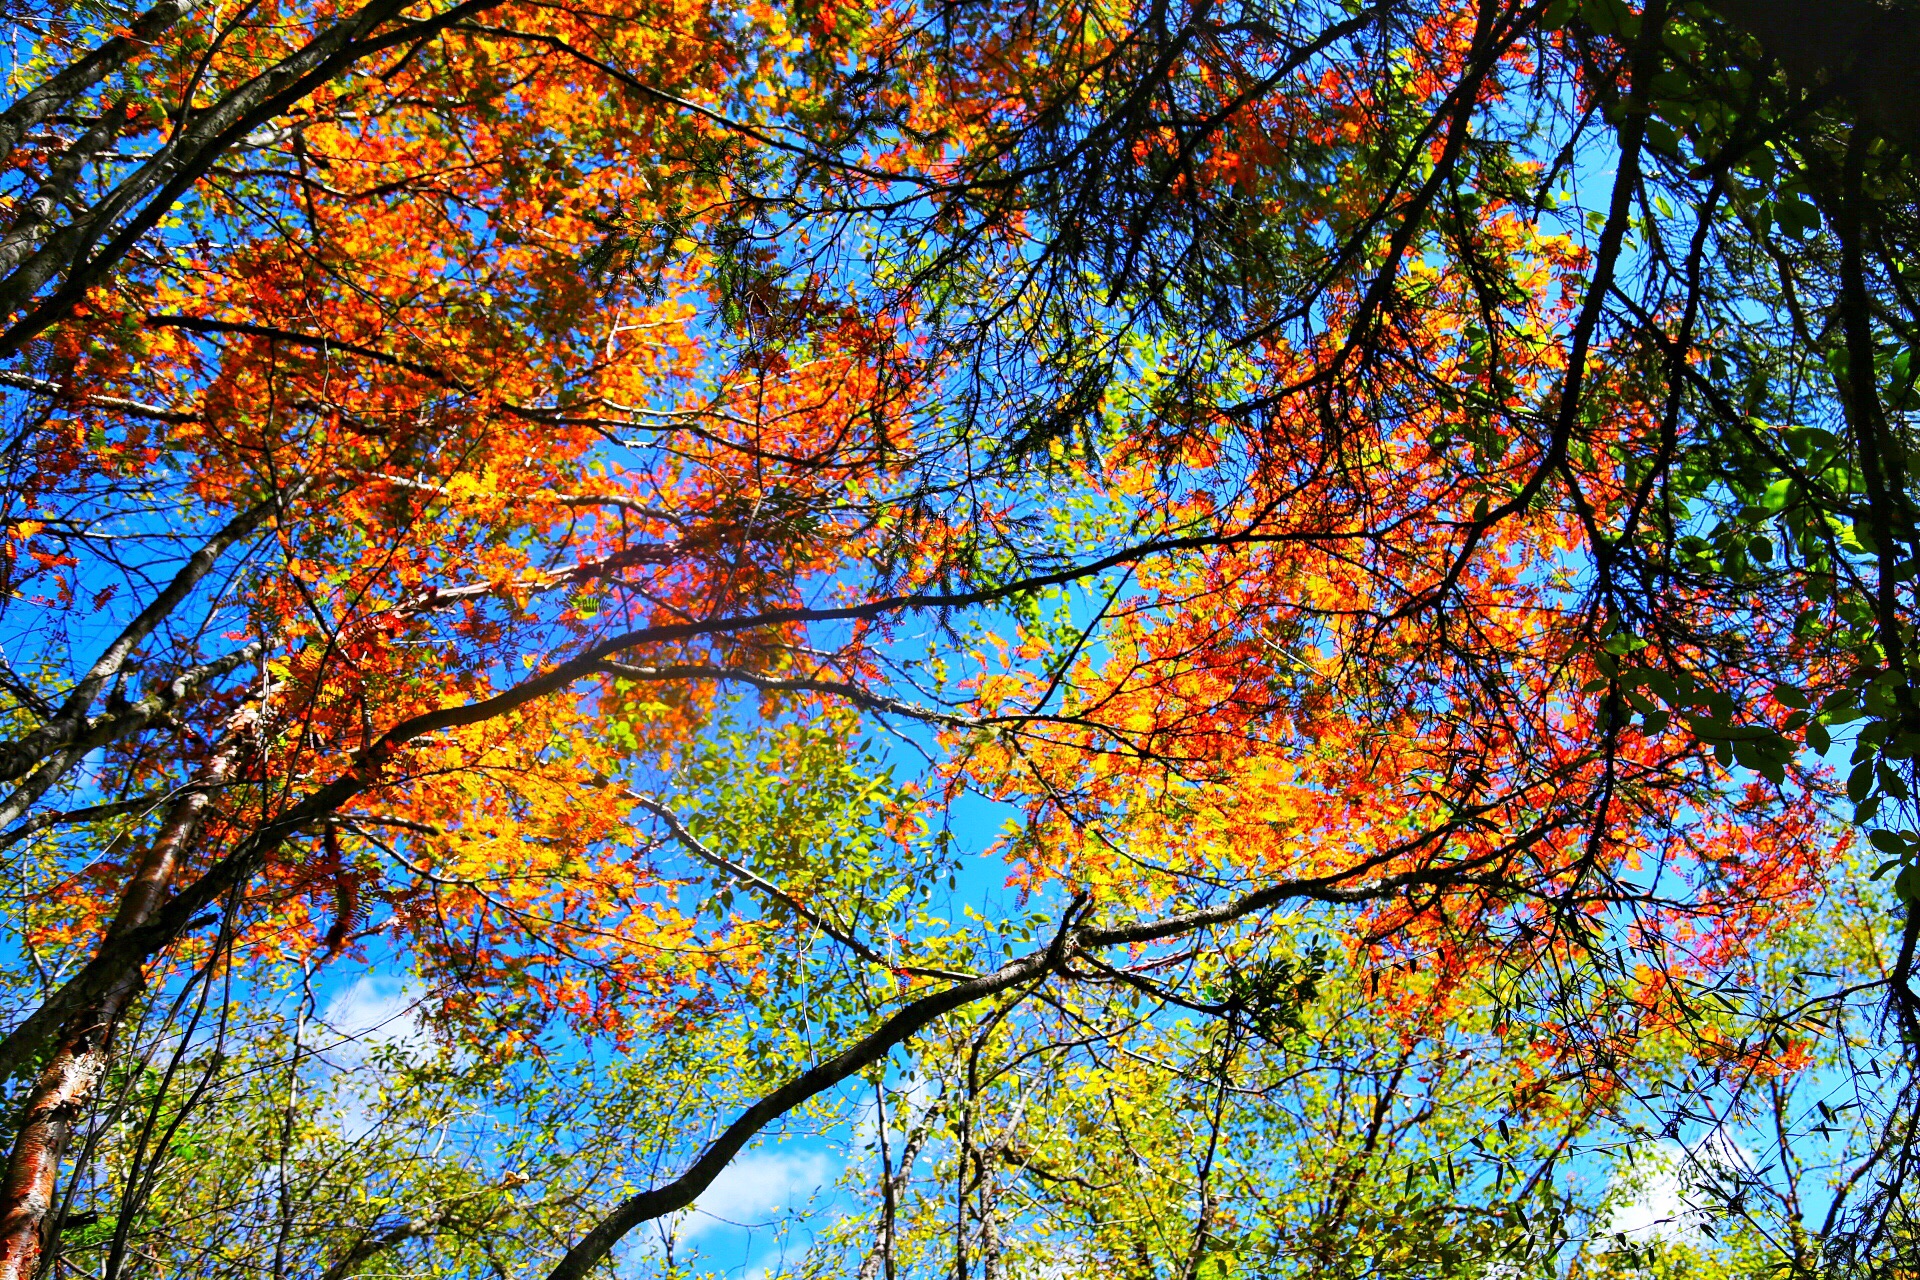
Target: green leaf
[1860, 782]
[1892, 783]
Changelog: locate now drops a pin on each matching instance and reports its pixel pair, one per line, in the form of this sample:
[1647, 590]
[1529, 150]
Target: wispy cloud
[375, 1011]
[373, 1015]
[1665, 1189]
[755, 1189]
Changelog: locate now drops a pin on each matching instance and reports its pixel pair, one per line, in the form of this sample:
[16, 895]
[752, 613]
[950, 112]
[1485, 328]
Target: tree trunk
[66, 1085]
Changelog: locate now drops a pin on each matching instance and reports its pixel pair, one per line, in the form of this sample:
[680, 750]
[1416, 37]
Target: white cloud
[1664, 1189]
[755, 1188]
[374, 1011]
[1654, 1204]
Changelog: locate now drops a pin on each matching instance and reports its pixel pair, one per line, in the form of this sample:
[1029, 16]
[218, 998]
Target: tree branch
[1867, 51]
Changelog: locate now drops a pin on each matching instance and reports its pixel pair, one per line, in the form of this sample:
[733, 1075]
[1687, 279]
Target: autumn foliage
[612, 512]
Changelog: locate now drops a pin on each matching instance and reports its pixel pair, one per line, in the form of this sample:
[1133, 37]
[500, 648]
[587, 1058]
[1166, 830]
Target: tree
[453, 442]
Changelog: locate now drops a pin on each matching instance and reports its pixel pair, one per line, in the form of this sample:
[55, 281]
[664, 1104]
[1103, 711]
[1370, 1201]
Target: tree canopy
[1202, 637]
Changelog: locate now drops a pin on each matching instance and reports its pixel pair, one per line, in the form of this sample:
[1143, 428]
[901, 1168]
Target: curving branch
[71, 721]
[90, 69]
[749, 878]
[145, 196]
[894, 1030]
[133, 948]
[99, 731]
[1070, 941]
[117, 404]
[865, 699]
[91, 813]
